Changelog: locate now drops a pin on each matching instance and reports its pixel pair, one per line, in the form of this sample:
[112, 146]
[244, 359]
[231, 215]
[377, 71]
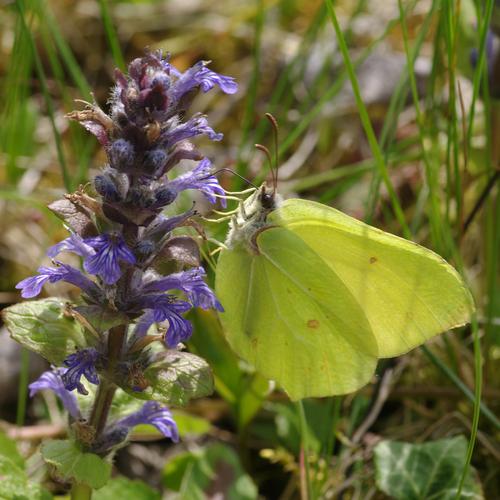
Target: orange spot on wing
[373, 260]
[313, 323]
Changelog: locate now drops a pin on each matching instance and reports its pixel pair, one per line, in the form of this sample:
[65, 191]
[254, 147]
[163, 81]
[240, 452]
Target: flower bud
[144, 248]
[141, 196]
[164, 196]
[106, 187]
[121, 154]
[154, 161]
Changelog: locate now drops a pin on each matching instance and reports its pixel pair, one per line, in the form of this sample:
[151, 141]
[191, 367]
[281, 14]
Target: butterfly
[313, 297]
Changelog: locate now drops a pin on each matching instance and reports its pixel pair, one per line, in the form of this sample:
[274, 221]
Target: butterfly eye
[267, 200]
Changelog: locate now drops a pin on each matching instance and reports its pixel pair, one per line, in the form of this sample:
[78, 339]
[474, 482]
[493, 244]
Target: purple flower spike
[192, 284]
[32, 286]
[109, 250]
[80, 364]
[201, 179]
[165, 308]
[51, 380]
[152, 413]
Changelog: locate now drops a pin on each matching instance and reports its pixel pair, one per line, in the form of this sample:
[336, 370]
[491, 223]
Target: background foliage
[411, 150]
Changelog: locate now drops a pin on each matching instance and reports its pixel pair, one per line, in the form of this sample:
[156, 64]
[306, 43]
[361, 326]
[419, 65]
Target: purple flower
[165, 308]
[81, 364]
[32, 286]
[200, 75]
[51, 380]
[74, 243]
[152, 413]
[201, 179]
[109, 250]
[192, 284]
[197, 125]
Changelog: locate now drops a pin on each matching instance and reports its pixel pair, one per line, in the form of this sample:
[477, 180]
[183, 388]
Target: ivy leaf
[14, 484]
[212, 472]
[122, 487]
[177, 378]
[43, 327]
[430, 470]
[71, 463]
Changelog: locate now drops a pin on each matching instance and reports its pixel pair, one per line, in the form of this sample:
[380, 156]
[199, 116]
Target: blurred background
[429, 78]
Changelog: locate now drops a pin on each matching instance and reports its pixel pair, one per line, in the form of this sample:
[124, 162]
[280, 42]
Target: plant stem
[102, 404]
[81, 491]
[106, 390]
[306, 489]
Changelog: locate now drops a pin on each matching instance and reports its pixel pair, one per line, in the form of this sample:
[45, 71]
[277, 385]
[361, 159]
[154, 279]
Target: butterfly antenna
[262, 148]
[274, 124]
[230, 172]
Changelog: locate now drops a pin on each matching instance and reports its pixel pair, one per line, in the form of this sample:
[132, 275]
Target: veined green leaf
[71, 463]
[212, 472]
[432, 470]
[122, 487]
[177, 378]
[14, 484]
[43, 327]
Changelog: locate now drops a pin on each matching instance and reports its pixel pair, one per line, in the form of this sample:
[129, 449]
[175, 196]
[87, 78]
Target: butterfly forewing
[407, 293]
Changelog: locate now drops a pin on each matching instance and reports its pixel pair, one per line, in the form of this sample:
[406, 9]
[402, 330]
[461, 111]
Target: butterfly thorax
[251, 218]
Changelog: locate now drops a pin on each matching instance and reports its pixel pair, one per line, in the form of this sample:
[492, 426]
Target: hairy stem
[106, 390]
[81, 491]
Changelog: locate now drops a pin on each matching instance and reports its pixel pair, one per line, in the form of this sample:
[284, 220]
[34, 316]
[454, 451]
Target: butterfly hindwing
[289, 315]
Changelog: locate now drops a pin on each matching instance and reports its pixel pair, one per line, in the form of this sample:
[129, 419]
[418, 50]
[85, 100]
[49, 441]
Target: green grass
[452, 157]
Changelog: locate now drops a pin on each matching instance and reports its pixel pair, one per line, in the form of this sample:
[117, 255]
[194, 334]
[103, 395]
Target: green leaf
[8, 449]
[431, 470]
[71, 463]
[212, 472]
[244, 391]
[43, 327]
[190, 425]
[122, 487]
[177, 378]
[14, 484]
[98, 318]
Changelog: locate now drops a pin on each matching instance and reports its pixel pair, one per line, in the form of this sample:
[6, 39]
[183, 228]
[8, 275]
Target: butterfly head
[251, 218]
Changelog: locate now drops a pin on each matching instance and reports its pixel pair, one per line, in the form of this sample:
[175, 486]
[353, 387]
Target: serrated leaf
[125, 488]
[178, 377]
[14, 484]
[43, 327]
[8, 448]
[430, 470]
[71, 463]
[213, 472]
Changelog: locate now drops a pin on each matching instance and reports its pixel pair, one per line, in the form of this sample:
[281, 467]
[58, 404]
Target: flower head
[197, 125]
[33, 285]
[161, 308]
[206, 79]
[81, 364]
[52, 380]
[74, 243]
[152, 413]
[109, 250]
[192, 283]
[202, 179]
